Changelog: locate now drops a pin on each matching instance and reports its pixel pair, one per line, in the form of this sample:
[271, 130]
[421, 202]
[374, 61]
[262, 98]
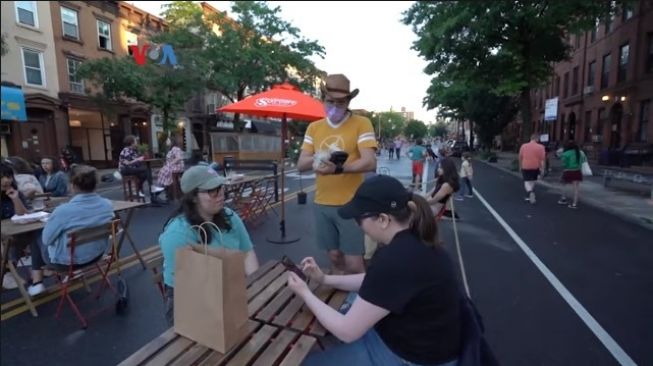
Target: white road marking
[610, 344]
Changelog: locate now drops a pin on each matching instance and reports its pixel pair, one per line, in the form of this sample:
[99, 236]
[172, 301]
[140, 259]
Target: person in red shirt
[531, 162]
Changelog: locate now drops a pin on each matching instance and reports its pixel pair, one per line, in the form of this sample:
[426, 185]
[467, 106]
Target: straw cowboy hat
[337, 87]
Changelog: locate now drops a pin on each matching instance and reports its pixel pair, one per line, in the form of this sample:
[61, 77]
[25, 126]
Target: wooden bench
[264, 345]
[270, 301]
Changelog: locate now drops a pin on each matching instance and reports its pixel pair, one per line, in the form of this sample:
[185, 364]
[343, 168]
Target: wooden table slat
[305, 317]
[216, 358]
[271, 309]
[299, 351]
[285, 318]
[276, 348]
[171, 352]
[335, 302]
[260, 272]
[260, 284]
[253, 346]
[150, 349]
[196, 353]
[261, 299]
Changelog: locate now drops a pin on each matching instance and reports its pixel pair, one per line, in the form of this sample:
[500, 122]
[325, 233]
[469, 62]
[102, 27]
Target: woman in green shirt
[572, 158]
[203, 201]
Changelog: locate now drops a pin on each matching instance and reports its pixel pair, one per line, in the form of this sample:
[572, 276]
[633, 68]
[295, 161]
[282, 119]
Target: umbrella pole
[282, 223]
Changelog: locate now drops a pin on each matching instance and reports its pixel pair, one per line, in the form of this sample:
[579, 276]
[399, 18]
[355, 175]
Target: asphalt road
[601, 264]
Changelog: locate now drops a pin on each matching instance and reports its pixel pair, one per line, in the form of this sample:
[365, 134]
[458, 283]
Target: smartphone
[339, 157]
[291, 266]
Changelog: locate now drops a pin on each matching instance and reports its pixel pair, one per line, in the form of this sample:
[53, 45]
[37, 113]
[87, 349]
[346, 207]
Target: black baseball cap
[379, 194]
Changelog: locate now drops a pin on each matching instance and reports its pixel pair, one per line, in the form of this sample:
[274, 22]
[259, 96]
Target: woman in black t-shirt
[408, 307]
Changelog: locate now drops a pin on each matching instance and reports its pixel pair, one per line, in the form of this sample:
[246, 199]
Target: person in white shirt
[466, 174]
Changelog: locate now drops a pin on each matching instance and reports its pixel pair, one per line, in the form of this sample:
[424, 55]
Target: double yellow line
[18, 306]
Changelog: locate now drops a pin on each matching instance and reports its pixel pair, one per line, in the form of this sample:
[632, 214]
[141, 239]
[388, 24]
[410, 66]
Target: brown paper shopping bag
[210, 303]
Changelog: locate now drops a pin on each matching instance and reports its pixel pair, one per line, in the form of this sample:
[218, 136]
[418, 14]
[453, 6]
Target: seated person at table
[53, 179]
[85, 210]
[130, 162]
[13, 203]
[24, 176]
[203, 201]
[408, 306]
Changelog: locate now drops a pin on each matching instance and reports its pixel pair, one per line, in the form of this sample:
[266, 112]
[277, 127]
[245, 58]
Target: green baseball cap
[200, 177]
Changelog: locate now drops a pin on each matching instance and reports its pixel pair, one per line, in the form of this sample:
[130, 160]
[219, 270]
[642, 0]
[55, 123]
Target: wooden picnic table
[10, 230]
[282, 330]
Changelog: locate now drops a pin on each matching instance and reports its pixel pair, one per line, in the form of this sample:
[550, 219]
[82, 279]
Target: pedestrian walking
[531, 162]
[398, 145]
[572, 158]
[466, 174]
[390, 146]
[392, 320]
[417, 154]
[341, 134]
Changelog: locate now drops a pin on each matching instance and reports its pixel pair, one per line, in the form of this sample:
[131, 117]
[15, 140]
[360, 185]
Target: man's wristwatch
[339, 169]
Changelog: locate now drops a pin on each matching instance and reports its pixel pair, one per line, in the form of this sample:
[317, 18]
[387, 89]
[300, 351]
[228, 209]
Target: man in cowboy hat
[337, 181]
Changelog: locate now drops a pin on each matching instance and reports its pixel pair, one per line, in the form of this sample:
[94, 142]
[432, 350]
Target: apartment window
[624, 52]
[557, 87]
[588, 126]
[605, 71]
[26, 13]
[626, 11]
[644, 111]
[594, 31]
[600, 118]
[104, 34]
[76, 83]
[70, 23]
[34, 70]
[565, 90]
[609, 24]
[649, 56]
[574, 81]
[591, 72]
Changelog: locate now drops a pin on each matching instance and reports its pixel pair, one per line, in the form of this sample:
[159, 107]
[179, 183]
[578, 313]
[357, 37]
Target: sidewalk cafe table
[10, 230]
[282, 331]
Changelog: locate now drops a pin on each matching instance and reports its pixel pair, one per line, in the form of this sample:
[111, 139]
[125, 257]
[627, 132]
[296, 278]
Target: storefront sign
[13, 104]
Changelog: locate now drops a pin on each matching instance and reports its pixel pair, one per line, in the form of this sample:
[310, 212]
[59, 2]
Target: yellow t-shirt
[354, 133]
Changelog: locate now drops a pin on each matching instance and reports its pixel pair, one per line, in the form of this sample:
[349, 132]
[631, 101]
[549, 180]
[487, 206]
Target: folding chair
[67, 274]
[156, 266]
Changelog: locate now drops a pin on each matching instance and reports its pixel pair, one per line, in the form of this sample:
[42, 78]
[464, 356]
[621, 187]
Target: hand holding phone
[291, 266]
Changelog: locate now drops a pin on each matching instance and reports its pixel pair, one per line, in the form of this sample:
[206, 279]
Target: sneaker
[527, 198]
[157, 189]
[141, 194]
[531, 198]
[562, 201]
[469, 196]
[37, 289]
[574, 206]
[458, 198]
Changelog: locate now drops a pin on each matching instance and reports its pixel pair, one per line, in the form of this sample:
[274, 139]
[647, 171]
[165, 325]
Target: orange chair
[67, 274]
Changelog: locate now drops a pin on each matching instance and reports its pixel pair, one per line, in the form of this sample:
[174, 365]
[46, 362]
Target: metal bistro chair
[67, 274]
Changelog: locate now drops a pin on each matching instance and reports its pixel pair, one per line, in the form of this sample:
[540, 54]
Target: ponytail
[423, 221]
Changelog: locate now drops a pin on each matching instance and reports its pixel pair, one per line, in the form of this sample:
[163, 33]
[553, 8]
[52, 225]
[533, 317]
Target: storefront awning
[13, 104]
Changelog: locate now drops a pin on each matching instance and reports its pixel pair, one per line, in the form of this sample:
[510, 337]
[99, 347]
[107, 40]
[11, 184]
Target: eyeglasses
[212, 192]
[359, 219]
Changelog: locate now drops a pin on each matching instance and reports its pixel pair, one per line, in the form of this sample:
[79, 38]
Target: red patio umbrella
[282, 101]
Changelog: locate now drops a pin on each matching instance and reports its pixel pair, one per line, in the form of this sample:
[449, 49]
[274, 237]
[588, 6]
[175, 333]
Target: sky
[363, 40]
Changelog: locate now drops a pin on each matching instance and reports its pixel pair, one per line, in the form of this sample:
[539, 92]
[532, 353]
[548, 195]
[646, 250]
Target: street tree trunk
[525, 109]
[471, 135]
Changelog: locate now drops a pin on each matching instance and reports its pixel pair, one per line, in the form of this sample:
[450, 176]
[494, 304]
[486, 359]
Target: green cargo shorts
[333, 232]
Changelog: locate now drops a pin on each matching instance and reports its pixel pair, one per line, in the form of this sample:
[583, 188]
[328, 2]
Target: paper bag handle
[204, 238]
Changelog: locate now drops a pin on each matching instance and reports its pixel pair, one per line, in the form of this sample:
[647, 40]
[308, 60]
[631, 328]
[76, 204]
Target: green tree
[257, 49]
[415, 129]
[391, 123]
[438, 130]
[516, 41]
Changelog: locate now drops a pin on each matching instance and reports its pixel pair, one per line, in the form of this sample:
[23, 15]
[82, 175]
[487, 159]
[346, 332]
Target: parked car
[458, 148]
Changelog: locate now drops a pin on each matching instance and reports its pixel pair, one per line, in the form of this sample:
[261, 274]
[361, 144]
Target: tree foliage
[506, 47]
[391, 123]
[415, 129]
[438, 130]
